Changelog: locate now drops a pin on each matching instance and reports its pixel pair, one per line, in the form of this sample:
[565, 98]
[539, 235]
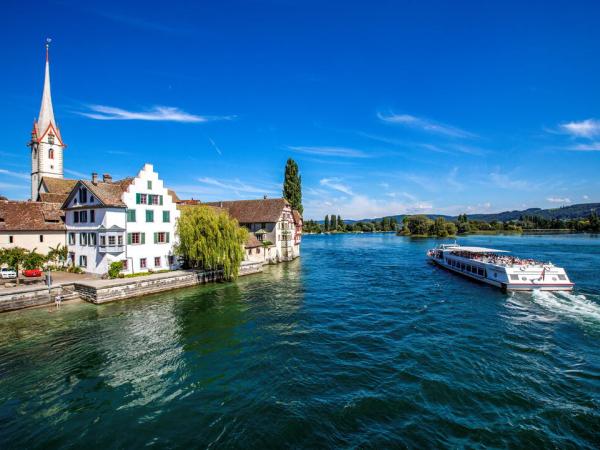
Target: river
[359, 343]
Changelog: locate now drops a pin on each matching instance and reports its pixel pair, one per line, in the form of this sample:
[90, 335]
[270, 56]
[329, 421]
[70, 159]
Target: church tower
[46, 143]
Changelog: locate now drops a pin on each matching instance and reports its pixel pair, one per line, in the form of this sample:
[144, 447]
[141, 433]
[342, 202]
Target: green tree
[292, 185]
[34, 260]
[450, 229]
[333, 223]
[14, 258]
[115, 269]
[340, 223]
[58, 255]
[439, 227]
[326, 224]
[419, 224]
[210, 240]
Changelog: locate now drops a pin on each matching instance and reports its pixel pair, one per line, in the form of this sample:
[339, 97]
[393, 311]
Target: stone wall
[26, 297]
[103, 291]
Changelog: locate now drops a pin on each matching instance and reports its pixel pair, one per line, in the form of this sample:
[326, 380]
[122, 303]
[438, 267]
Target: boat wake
[573, 306]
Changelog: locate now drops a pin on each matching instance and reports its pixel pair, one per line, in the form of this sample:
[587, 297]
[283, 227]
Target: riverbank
[102, 291]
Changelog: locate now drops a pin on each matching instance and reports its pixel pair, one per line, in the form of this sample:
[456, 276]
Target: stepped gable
[31, 216]
[266, 210]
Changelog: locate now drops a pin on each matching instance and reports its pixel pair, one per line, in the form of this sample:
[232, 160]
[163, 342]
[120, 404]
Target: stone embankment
[102, 291]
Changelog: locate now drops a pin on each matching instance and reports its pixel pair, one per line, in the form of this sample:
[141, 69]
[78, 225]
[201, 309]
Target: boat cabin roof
[476, 250]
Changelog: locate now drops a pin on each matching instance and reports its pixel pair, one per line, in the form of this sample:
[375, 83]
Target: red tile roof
[31, 216]
[266, 210]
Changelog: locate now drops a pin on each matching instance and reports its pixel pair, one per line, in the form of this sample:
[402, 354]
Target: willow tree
[211, 240]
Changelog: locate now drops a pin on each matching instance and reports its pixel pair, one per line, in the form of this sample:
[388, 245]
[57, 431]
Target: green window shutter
[149, 184]
[161, 199]
[137, 198]
[149, 215]
[167, 236]
[166, 216]
[128, 238]
[155, 238]
[143, 240]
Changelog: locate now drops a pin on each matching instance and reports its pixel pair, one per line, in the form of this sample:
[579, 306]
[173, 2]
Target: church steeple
[46, 142]
[46, 117]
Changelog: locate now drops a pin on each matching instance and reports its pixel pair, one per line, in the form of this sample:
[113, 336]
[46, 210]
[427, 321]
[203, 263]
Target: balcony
[111, 248]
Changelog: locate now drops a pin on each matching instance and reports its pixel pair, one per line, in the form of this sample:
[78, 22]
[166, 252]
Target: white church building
[131, 220]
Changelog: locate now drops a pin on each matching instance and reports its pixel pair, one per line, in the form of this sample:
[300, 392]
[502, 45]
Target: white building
[46, 143]
[130, 220]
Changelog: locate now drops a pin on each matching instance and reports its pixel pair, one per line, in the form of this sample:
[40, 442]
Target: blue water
[359, 343]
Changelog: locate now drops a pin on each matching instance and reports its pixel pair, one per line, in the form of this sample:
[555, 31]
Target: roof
[459, 248]
[254, 211]
[52, 198]
[58, 185]
[108, 193]
[252, 242]
[30, 216]
[173, 195]
[297, 217]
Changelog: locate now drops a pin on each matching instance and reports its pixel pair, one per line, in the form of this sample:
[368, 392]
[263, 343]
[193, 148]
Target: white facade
[40, 241]
[46, 143]
[138, 230]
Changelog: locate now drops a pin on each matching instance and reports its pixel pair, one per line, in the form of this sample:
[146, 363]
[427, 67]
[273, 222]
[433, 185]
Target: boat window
[514, 276]
[524, 278]
[562, 277]
[480, 271]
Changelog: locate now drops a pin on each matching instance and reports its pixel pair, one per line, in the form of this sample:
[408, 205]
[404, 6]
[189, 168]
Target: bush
[115, 269]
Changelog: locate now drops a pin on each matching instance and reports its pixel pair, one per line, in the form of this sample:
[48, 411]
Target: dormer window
[51, 153]
[82, 195]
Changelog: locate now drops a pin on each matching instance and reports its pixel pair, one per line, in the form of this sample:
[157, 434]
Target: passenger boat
[495, 267]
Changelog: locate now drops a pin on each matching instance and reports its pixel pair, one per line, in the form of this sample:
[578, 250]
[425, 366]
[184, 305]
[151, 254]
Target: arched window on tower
[51, 153]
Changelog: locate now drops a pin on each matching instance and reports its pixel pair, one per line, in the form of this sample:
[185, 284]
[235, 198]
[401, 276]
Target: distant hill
[564, 212]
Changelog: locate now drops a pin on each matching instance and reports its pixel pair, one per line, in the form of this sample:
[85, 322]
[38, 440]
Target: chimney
[94, 178]
[106, 178]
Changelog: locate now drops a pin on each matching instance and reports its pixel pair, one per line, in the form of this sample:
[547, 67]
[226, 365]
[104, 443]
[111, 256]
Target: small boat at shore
[495, 267]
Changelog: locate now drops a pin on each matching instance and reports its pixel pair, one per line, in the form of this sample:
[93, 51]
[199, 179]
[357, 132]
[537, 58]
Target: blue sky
[388, 107]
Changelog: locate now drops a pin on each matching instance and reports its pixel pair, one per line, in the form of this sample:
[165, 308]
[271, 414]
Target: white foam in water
[574, 306]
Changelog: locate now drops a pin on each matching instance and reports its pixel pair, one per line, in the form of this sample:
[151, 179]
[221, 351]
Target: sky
[388, 107]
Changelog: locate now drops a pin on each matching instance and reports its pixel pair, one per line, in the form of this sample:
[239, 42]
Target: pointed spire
[46, 116]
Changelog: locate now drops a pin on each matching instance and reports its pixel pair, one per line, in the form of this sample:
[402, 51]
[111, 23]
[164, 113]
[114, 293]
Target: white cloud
[559, 200]
[588, 128]
[236, 186]
[585, 197]
[335, 183]
[343, 152]
[591, 147]
[156, 114]
[425, 125]
[505, 181]
[78, 174]
[10, 173]
[384, 185]
[452, 181]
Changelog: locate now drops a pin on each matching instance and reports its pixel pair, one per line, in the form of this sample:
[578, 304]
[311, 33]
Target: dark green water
[360, 343]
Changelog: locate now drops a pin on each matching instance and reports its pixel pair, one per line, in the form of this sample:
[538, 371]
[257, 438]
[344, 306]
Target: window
[51, 153]
[131, 215]
[562, 277]
[260, 237]
[71, 238]
[149, 185]
[91, 199]
[41, 238]
[136, 238]
[83, 216]
[258, 250]
[50, 138]
[157, 261]
[102, 240]
[76, 216]
[124, 264]
[166, 216]
[142, 263]
[83, 239]
[171, 260]
[514, 276]
[154, 200]
[112, 240]
[82, 195]
[161, 237]
[120, 239]
[82, 261]
[149, 215]
[92, 239]
[141, 199]
[11, 239]
[92, 216]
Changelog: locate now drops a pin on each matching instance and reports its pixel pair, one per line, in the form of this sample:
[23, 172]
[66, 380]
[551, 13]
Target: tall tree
[340, 223]
[333, 223]
[292, 185]
[326, 224]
